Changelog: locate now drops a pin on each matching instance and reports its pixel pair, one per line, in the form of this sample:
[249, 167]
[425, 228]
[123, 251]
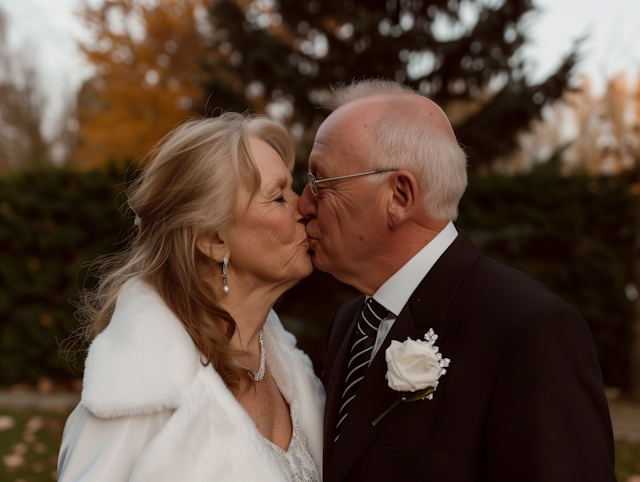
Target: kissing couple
[449, 367]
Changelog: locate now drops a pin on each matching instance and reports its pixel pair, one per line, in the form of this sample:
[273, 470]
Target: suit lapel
[426, 309]
[430, 301]
[334, 388]
[373, 398]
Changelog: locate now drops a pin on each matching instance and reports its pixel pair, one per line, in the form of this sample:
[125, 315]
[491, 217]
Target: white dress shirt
[396, 291]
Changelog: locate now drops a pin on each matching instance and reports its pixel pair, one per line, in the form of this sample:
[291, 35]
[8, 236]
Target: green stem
[389, 410]
[400, 400]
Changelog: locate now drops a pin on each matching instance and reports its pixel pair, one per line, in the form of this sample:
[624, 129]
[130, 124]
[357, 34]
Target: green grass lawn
[29, 449]
[628, 461]
[29, 444]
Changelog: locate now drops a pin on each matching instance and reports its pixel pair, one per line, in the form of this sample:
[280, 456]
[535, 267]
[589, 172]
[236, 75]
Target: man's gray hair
[407, 139]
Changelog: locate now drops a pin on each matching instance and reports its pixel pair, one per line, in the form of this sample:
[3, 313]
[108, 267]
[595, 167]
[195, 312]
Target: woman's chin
[318, 261]
[305, 266]
[309, 265]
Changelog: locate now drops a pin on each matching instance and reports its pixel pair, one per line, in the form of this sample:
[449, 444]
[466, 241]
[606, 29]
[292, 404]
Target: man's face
[346, 214]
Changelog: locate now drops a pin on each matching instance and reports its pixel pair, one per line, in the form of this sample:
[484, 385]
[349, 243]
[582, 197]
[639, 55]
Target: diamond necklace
[260, 375]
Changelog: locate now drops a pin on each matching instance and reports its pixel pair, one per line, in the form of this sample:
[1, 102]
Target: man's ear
[213, 247]
[405, 197]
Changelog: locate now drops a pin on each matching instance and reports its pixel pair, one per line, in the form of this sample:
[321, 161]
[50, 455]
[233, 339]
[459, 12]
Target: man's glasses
[313, 182]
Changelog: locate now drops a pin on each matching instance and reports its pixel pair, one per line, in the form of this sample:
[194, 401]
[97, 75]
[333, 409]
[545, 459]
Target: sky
[51, 30]
[612, 45]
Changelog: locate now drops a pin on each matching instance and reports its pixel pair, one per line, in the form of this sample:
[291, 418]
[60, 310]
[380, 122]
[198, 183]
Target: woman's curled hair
[187, 189]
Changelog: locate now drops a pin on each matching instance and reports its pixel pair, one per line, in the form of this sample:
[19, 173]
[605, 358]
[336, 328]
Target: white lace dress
[297, 460]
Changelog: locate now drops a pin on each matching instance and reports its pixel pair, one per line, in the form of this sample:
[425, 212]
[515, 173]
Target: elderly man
[519, 390]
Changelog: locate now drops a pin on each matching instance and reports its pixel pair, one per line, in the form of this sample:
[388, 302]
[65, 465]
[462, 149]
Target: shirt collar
[396, 291]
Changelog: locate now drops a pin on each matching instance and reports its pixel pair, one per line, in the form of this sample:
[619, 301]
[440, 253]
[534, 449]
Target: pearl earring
[225, 263]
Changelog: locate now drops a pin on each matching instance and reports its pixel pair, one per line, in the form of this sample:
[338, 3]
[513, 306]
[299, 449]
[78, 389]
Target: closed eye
[281, 199]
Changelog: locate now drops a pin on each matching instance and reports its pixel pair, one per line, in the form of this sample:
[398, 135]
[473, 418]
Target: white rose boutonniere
[414, 366]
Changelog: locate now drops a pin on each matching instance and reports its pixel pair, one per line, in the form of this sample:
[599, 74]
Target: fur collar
[145, 361]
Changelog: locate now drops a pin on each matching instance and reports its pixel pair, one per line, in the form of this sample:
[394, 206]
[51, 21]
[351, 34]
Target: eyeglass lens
[312, 183]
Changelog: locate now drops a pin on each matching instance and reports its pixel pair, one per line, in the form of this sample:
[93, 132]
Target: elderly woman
[190, 375]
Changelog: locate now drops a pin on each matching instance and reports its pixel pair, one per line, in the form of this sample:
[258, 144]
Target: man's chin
[318, 257]
[318, 262]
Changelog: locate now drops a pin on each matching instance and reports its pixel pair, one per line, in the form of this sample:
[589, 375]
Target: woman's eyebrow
[276, 183]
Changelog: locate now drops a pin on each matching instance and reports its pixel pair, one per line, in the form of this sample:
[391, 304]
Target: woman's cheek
[286, 229]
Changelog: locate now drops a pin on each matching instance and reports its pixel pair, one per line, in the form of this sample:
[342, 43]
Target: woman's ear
[213, 247]
[405, 197]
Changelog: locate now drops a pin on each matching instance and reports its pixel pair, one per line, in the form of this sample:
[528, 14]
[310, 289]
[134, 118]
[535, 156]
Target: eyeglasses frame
[313, 182]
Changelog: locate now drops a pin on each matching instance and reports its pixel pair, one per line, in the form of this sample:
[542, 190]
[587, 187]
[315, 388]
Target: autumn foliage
[585, 132]
[148, 71]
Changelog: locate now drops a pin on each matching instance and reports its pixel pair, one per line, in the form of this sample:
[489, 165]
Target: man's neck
[393, 252]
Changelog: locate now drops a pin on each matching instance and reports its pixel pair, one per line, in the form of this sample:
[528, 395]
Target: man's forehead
[356, 118]
[340, 139]
[320, 153]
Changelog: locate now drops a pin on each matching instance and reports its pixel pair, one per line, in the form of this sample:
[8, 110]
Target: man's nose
[307, 204]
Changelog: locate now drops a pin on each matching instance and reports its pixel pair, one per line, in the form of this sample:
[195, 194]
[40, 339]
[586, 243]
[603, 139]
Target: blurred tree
[585, 132]
[604, 138]
[21, 105]
[147, 57]
[465, 55]
[635, 349]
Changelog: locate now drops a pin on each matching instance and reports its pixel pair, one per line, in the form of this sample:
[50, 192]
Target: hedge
[572, 234]
[52, 221]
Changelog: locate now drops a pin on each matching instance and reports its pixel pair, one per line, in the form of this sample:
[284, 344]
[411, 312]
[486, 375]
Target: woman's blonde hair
[188, 189]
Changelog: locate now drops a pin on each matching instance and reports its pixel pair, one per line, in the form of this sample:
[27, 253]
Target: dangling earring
[225, 262]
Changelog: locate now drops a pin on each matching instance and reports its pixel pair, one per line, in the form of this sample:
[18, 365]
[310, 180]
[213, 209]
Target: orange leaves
[148, 62]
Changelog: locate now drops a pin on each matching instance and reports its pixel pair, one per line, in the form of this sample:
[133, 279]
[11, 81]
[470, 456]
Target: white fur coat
[145, 361]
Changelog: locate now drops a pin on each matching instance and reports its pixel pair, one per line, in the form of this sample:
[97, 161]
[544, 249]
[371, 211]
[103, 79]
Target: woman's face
[268, 243]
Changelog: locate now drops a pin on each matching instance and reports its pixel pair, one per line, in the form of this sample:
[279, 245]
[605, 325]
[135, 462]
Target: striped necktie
[362, 342]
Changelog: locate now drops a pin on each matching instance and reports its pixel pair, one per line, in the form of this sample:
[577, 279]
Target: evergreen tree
[464, 55]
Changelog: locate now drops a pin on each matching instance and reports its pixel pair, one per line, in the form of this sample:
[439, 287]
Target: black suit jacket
[523, 399]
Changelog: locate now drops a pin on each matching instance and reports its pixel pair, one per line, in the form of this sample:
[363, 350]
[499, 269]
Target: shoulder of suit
[515, 295]
[143, 361]
[511, 275]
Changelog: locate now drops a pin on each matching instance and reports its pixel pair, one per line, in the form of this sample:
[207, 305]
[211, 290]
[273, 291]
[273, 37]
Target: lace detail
[297, 461]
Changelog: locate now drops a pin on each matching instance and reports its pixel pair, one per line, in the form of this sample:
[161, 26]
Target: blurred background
[543, 94]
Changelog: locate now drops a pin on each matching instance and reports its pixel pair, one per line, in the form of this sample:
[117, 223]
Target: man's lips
[310, 234]
[310, 238]
[312, 243]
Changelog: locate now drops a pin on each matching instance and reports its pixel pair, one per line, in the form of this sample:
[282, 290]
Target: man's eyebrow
[314, 168]
[319, 174]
